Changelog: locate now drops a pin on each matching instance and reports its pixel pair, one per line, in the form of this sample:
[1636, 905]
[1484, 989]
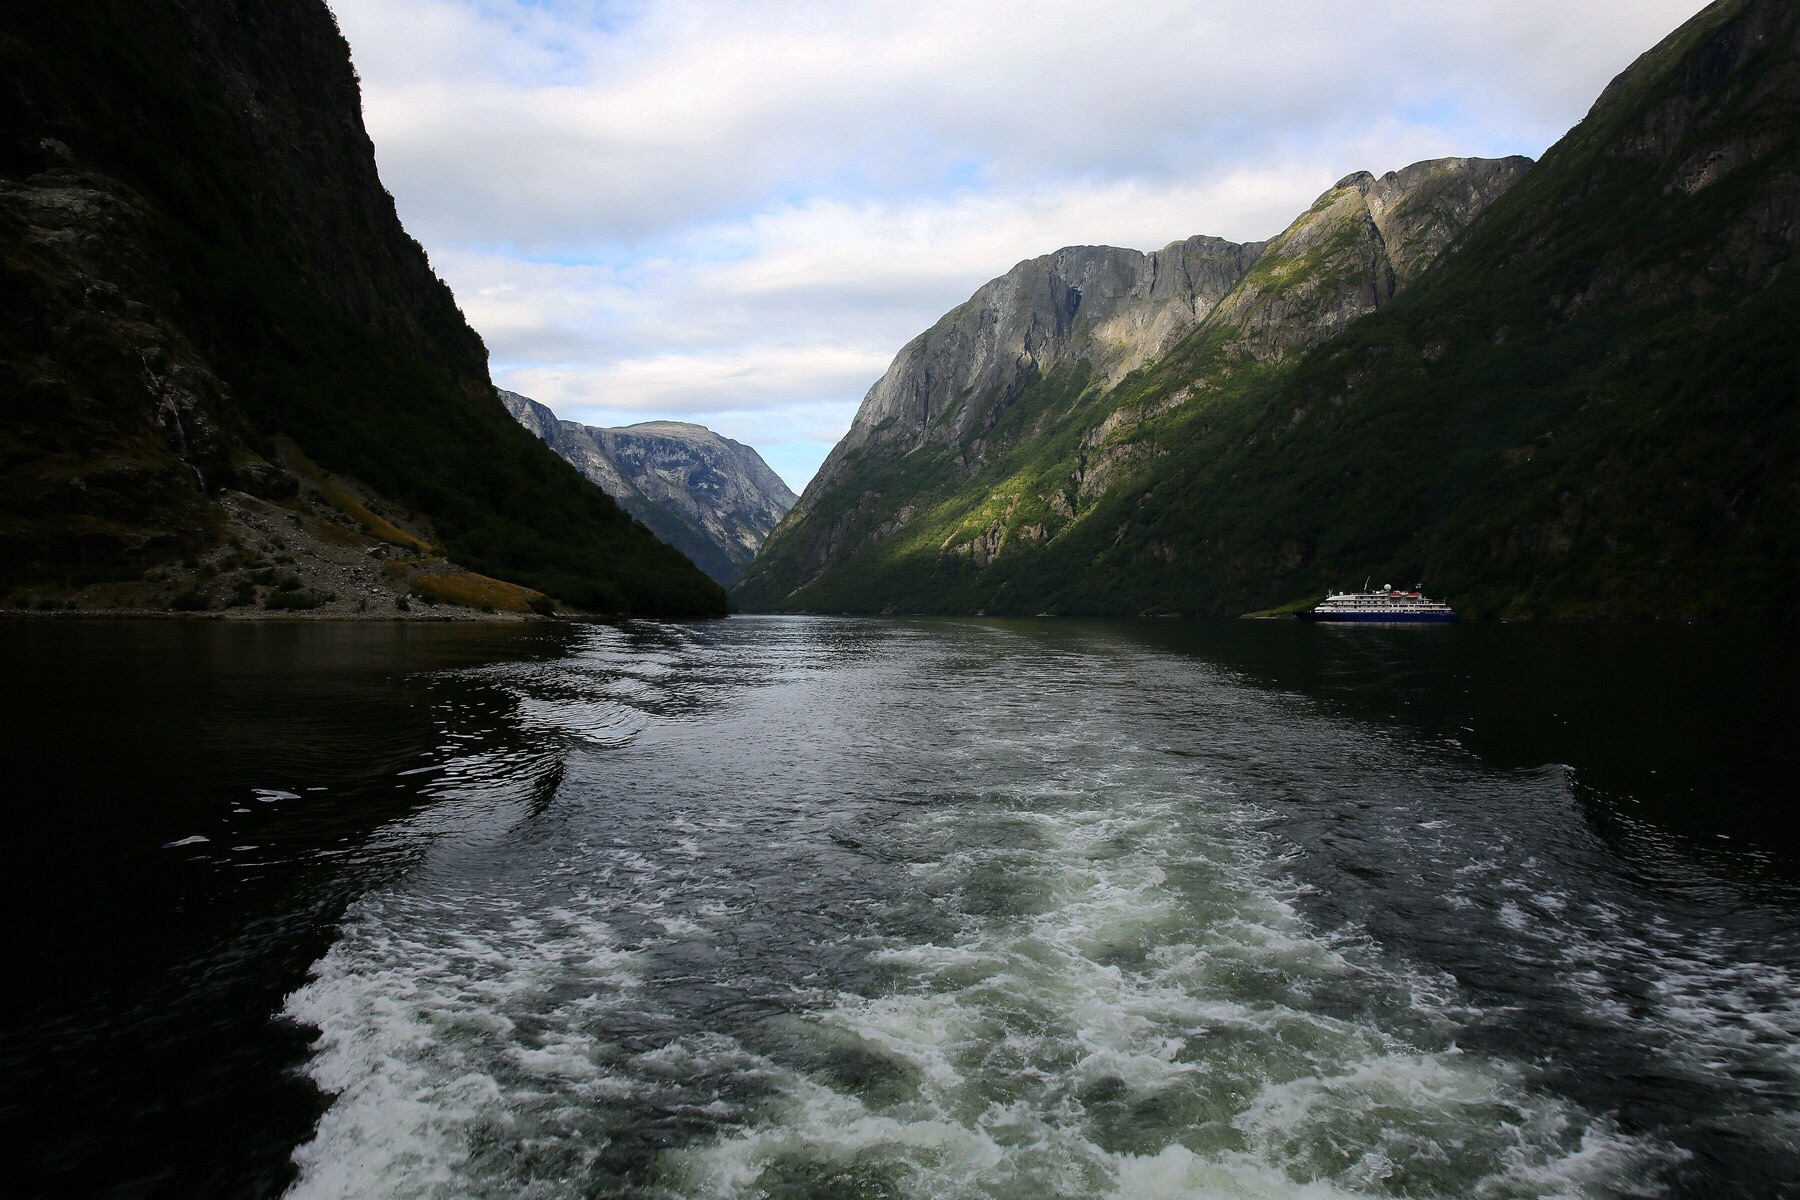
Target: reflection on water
[138, 1054]
[813, 907]
[1687, 721]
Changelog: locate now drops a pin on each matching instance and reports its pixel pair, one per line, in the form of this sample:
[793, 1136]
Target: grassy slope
[327, 335]
[1585, 410]
[1028, 452]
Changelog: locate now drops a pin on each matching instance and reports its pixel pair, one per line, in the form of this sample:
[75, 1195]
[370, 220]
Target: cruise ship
[1385, 605]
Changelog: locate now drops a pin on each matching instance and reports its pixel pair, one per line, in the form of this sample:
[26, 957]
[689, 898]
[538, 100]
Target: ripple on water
[1154, 1020]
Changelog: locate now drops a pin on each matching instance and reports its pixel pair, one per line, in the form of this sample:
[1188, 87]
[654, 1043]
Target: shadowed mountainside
[197, 261]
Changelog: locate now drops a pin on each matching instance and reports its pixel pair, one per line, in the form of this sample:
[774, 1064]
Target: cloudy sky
[735, 212]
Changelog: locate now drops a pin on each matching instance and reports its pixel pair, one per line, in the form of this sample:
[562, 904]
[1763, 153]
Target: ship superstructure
[1385, 605]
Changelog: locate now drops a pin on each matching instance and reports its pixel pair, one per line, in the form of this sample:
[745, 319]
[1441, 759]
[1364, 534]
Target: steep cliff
[1566, 394]
[1355, 248]
[1004, 422]
[1110, 309]
[197, 260]
[713, 499]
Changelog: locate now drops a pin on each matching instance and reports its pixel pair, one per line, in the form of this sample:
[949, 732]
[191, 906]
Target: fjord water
[811, 907]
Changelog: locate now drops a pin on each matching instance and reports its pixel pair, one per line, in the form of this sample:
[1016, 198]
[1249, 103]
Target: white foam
[1120, 996]
[1110, 986]
[1177, 1173]
[422, 1008]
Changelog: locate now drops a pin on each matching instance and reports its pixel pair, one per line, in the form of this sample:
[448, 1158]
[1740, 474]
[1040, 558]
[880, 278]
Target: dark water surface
[803, 907]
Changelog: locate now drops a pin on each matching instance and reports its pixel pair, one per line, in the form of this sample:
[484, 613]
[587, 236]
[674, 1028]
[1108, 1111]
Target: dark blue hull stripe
[1380, 618]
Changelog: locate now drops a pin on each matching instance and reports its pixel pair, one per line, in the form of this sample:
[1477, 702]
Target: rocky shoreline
[439, 613]
[322, 554]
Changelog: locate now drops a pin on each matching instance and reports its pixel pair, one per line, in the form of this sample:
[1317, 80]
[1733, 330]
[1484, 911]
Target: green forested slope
[1588, 410]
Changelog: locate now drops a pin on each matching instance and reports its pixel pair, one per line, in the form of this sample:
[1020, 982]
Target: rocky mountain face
[199, 265]
[1112, 309]
[1562, 389]
[713, 499]
[1355, 248]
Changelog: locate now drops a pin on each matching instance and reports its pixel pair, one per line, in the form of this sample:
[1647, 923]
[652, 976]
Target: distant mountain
[711, 498]
[1563, 389]
[199, 267]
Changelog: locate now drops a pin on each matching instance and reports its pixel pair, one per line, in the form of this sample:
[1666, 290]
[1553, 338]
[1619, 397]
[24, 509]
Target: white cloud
[686, 385]
[832, 291]
[684, 207]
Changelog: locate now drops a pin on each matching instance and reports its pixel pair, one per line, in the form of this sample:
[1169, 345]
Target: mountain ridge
[1264, 300]
[1576, 402]
[710, 497]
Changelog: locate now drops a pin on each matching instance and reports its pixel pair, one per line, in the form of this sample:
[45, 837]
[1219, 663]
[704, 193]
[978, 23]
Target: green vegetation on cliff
[197, 258]
[1584, 408]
